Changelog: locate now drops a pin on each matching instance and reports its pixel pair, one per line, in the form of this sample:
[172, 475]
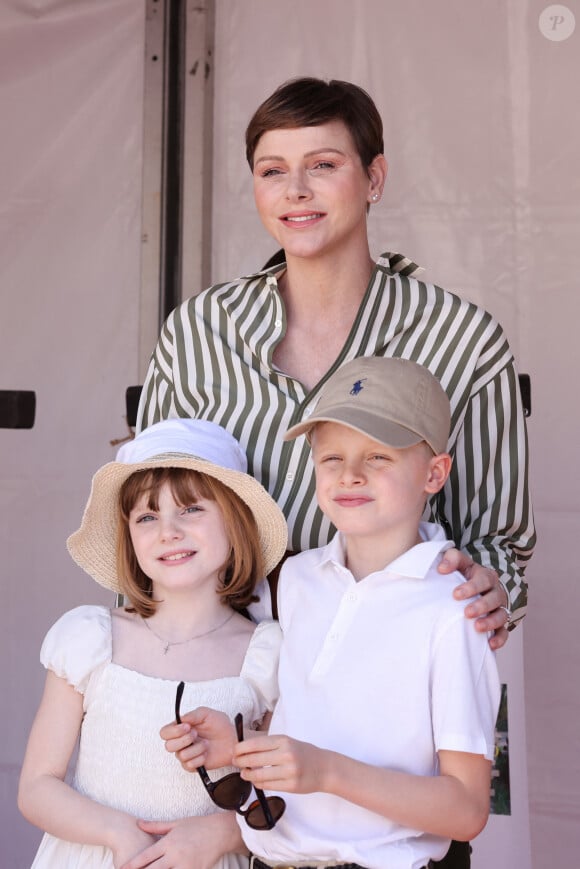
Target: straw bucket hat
[198, 445]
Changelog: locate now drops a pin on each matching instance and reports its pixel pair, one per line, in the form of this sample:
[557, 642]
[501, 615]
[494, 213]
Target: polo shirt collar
[416, 562]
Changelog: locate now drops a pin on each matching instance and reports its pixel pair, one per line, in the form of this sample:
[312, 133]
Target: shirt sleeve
[486, 501]
[465, 689]
[260, 666]
[78, 643]
[157, 401]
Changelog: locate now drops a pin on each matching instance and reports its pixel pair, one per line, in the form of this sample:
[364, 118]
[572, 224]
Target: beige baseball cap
[394, 401]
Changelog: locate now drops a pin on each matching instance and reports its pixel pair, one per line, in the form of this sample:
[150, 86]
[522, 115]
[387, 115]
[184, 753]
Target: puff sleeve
[78, 643]
[260, 666]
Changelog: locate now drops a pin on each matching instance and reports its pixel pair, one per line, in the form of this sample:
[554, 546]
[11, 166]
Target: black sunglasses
[232, 791]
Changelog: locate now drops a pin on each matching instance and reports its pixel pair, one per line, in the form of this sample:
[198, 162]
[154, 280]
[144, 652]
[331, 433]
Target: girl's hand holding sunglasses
[201, 736]
[232, 792]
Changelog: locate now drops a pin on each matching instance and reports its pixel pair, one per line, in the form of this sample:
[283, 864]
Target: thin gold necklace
[167, 645]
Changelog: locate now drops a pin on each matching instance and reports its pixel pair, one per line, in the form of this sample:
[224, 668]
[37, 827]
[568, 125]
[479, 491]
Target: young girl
[179, 528]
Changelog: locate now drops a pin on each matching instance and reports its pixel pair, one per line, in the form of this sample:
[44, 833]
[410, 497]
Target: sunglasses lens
[255, 817]
[231, 792]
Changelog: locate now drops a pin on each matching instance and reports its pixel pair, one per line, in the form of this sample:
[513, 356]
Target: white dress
[122, 761]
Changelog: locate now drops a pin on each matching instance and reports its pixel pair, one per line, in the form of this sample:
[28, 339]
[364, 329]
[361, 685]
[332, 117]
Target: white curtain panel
[71, 104]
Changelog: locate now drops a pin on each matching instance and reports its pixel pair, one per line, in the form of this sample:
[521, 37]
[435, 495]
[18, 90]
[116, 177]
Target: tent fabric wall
[482, 137]
[71, 103]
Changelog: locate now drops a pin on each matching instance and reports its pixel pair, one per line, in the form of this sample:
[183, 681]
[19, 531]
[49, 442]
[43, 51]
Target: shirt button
[290, 477]
[308, 411]
[351, 596]
[278, 324]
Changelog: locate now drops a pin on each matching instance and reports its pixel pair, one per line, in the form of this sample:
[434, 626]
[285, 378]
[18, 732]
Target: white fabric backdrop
[482, 135]
[71, 103]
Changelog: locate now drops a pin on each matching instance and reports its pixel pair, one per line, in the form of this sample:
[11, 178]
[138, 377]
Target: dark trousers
[458, 857]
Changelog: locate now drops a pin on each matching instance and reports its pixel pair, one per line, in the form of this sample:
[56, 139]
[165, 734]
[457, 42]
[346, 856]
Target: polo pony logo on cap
[357, 386]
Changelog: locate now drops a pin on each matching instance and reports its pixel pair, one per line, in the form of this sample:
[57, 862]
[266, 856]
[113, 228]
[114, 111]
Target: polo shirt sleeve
[465, 688]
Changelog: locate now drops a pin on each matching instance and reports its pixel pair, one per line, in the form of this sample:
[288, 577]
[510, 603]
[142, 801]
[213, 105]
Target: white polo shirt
[386, 670]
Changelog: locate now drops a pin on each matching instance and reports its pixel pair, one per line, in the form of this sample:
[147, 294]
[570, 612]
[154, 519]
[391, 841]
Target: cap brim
[385, 432]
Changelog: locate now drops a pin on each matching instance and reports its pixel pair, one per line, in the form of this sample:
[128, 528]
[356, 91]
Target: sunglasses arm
[263, 800]
[202, 771]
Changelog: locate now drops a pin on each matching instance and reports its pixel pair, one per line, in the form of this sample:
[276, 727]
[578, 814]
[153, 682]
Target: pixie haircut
[244, 567]
[310, 102]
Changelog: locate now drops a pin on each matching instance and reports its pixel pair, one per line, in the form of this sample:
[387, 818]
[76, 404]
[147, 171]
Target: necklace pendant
[167, 643]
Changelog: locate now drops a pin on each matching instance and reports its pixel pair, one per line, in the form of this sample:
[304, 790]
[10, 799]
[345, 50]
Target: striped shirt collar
[395, 263]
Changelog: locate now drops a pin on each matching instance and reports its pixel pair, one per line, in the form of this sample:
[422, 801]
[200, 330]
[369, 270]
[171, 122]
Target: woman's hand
[205, 736]
[481, 581]
[191, 843]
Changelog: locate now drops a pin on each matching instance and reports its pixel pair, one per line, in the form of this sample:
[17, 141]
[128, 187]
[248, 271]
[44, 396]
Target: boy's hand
[204, 737]
[482, 581]
[279, 763]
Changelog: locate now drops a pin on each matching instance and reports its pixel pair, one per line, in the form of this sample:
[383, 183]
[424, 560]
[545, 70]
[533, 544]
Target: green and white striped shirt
[214, 361]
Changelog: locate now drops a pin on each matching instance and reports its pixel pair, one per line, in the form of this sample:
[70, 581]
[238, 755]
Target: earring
[375, 197]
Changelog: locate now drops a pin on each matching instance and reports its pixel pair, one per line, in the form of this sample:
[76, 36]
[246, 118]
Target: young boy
[388, 699]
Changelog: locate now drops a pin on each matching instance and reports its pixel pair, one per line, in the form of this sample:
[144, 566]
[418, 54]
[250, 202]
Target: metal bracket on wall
[526, 393]
[17, 408]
